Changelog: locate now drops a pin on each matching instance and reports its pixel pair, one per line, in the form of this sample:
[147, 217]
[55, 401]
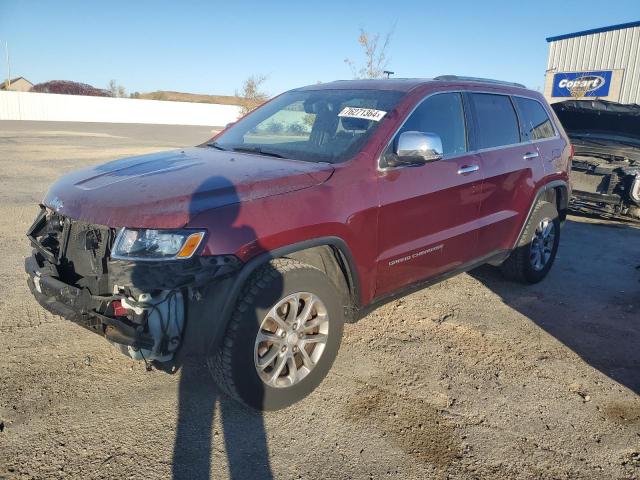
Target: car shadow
[590, 301]
[243, 434]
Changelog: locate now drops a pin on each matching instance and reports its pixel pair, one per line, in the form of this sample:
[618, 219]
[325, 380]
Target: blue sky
[211, 47]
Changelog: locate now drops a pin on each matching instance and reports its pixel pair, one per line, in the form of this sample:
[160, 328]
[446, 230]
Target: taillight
[572, 151]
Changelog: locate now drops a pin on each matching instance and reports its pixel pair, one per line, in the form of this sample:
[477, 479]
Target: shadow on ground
[243, 433]
[243, 430]
[591, 299]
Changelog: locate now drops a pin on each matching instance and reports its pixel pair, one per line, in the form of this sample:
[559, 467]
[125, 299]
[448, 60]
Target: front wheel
[533, 257]
[282, 338]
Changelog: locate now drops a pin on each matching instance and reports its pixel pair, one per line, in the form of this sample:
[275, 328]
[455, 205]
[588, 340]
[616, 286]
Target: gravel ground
[472, 378]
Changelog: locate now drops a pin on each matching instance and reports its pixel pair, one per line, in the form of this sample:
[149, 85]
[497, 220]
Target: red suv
[254, 248]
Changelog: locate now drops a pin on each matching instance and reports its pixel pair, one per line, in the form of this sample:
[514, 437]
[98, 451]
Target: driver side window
[442, 114]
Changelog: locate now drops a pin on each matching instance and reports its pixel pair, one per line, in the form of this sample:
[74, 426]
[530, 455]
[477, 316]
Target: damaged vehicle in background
[606, 165]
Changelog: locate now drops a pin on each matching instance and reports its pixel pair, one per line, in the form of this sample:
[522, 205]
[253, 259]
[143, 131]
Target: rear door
[511, 166]
[427, 223]
[537, 128]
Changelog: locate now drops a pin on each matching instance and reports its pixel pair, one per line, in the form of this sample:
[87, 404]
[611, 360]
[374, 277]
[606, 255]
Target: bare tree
[252, 94]
[113, 88]
[116, 90]
[375, 52]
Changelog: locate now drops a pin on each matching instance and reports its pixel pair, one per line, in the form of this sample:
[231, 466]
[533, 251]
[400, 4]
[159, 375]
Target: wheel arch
[556, 192]
[329, 254]
[561, 193]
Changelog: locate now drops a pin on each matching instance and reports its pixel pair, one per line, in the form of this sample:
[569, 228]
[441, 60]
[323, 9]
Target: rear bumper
[79, 306]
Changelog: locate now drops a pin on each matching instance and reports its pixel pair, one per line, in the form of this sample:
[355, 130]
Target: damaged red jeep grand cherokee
[255, 248]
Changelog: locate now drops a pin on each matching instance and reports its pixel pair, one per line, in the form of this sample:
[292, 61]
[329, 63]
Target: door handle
[530, 155]
[468, 169]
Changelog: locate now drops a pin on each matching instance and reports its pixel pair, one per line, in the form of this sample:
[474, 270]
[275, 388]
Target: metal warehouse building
[602, 63]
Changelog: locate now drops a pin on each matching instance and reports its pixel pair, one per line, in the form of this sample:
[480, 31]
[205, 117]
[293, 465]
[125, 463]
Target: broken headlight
[148, 244]
[635, 189]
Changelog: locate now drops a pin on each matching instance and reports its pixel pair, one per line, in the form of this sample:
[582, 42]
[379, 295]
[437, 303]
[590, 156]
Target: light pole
[7, 82]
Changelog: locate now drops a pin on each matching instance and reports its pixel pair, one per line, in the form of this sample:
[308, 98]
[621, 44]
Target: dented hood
[166, 190]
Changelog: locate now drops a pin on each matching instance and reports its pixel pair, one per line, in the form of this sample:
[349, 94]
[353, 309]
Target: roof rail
[476, 79]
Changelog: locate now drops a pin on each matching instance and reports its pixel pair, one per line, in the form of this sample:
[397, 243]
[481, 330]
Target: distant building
[18, 84]
[602, 63]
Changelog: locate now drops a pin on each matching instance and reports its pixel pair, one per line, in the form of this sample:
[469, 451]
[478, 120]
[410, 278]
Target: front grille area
[597, 177]
[78, 250]
[585, 181]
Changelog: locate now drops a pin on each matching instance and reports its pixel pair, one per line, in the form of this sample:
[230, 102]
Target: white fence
[77, 108]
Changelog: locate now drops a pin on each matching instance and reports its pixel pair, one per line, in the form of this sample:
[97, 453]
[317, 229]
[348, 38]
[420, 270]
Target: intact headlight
[147, 244]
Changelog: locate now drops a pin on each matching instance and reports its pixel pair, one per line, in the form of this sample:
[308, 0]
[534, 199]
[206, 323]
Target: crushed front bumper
[79, 306]
[142, 306]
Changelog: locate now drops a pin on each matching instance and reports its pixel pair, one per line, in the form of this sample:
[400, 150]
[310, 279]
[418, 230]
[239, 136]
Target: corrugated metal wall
[602, 51]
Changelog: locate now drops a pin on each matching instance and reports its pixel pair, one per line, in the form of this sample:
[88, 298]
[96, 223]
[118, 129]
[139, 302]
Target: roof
[397, 84]
[13, 80]
[402, 84]
[619, 26]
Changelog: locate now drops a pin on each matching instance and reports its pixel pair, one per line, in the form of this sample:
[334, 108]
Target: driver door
[429, 214]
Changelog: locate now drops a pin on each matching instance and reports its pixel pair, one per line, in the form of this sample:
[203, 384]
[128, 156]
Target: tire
[234, 365]
[521, 266]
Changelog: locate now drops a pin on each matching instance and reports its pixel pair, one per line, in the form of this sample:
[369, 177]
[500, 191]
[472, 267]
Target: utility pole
[6, 48]
[7, 82]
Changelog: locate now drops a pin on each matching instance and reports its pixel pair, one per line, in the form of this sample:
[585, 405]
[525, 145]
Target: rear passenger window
[534, 120]
[497, 121]
[442, 114]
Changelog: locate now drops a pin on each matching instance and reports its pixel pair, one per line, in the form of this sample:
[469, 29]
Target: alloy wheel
[542, 244]
[291, 339]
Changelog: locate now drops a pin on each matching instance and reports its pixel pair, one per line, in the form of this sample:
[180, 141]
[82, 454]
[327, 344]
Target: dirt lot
[472, 378]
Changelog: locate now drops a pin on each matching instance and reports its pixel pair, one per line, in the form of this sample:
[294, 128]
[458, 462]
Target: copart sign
[581, 84]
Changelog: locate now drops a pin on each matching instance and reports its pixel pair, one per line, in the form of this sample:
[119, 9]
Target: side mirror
[230, 124]
[417, 148]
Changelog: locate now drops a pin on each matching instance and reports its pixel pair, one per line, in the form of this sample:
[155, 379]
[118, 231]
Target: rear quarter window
[496, 120]
[535, 122]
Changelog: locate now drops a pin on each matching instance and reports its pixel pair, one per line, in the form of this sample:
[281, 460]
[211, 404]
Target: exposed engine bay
[605, 172]
[161, 316]
[140, 307]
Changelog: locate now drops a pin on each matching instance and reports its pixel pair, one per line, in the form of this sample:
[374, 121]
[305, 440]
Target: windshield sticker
[364, 113]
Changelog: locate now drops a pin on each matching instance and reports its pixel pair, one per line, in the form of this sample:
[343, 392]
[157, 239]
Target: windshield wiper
[258, 150]
[216, 145]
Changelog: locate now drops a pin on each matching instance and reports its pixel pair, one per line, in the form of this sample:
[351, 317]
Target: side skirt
[494, 258]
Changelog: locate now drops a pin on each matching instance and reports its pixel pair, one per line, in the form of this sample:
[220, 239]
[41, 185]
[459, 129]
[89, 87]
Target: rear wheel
[282, 338]
[533, 257]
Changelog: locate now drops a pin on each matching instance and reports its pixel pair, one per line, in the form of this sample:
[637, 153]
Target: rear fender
[555, 191]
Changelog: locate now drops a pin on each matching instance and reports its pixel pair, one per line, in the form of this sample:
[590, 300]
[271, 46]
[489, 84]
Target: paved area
[473, 378]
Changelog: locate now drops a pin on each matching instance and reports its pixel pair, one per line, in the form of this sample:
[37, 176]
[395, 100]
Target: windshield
[311, 125]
